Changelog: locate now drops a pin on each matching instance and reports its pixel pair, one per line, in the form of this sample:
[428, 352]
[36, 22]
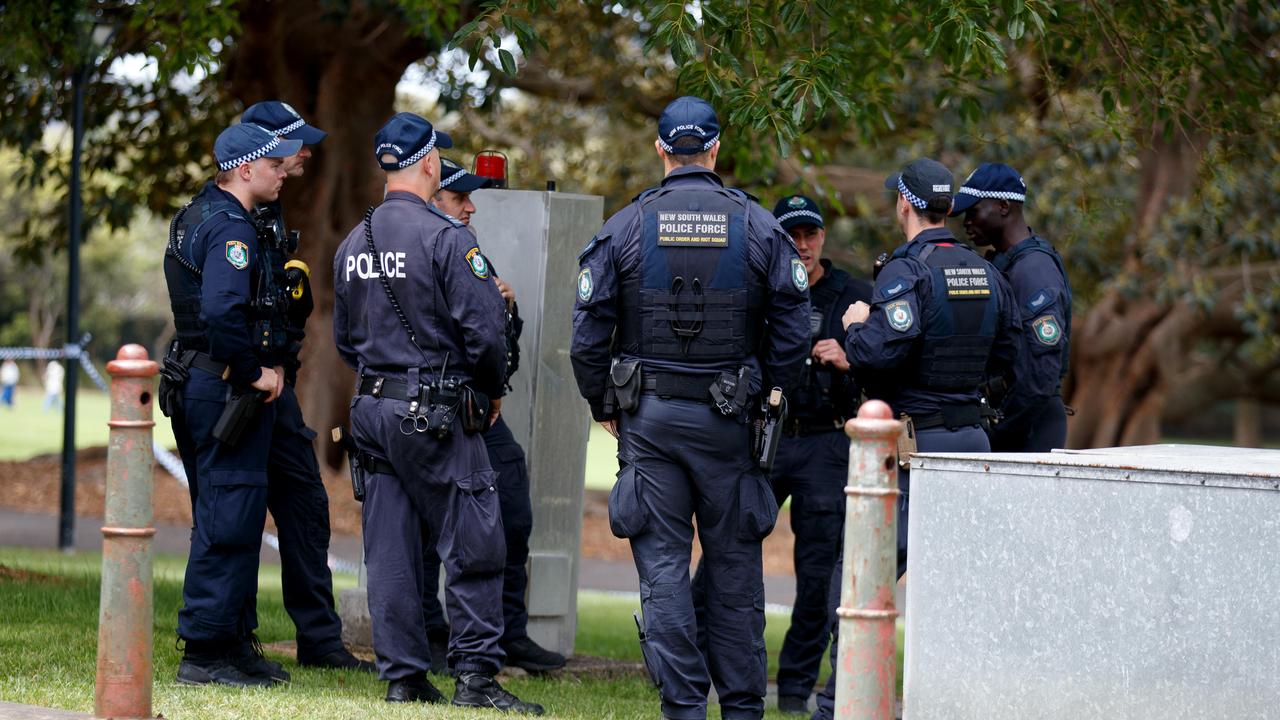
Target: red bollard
[867, 662]
[123, 687]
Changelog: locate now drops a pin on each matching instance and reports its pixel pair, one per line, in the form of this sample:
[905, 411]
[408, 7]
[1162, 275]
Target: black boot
[793, 704]
[528, 655]
[340, 659]
[438, 643]
[251, 661]
[477, 690]
[207, 663]
[414, 689]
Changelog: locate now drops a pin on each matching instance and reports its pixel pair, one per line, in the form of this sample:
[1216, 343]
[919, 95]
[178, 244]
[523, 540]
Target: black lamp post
[99, 37]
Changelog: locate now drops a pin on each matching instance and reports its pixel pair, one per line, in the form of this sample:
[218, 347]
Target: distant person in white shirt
[9, 376]
[53, 376]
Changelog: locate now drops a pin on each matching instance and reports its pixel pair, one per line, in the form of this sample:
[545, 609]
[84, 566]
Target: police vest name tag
[1047, 330]
[237, 254]
[693, 229]
[967, 282]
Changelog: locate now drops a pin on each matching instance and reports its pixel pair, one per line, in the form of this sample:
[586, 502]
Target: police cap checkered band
[291, 127]
[910, 196]
[671, 149]
[420, 154]
[998, 194]
[246, 142]
[799, 213]
[447, 181]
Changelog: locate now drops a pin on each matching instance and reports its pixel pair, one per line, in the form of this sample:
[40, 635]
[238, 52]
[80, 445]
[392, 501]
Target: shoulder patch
[237, 254]
[1047, 330]
[479, 266]
[898, 313]
[799, 275]
[1040, 300]
[585, 285]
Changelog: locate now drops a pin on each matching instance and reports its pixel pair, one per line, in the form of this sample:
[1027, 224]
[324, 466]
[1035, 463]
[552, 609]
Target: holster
[359, 476]
[773, 414]
[239, 412]
[623, 393]
[173, 376]
[475, 410]
[906, 442]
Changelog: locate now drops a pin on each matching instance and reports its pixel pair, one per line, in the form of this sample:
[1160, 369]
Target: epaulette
[451, 219]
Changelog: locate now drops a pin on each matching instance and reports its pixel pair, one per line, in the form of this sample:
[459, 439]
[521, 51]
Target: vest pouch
[624, 380]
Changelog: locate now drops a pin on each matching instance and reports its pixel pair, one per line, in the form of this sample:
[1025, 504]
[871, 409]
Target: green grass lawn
[28, 430]
[48, 640]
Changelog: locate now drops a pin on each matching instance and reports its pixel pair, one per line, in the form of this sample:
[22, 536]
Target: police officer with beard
[296, 496]
[692, 302]
[221, 290]
[507, 458]
[1034, 418]
[418, 316]
[940, 323]
[813, 458]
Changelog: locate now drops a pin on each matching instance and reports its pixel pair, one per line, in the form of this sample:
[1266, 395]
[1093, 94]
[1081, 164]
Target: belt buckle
[377, 387]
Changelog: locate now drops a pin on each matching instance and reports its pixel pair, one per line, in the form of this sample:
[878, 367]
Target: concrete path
[14, 711]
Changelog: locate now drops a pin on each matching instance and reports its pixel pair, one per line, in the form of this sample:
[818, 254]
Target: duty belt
[376, 465]
[800, 427]
[679, 387]
[390, 388]
[953, 417]
[197, 359]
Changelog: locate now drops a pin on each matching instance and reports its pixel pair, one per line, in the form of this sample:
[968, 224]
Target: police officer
[296, 495]
[671, 351]
[813, 458]
[418, 316]
[507, 458]
[220, 290]
[941, 322]
[1034, 418]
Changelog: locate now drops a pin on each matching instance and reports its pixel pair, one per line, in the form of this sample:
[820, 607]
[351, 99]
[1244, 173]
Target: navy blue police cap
[281, 119]
[797, 210]
[246, 142]
[408, 138]
[456, 178]
[924, 183]
[990, 180]
[688, 116]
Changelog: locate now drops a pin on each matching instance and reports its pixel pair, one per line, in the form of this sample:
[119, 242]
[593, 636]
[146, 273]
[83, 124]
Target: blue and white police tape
[170, 462]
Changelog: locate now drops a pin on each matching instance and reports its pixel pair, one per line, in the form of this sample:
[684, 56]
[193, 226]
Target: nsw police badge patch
[479, 267]
[1047, 330]
[237, 254]
[799, 276]
[585, 285]
[899, 315]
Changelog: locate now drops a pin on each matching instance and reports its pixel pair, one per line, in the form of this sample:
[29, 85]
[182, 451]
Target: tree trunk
[1128, 352]
[1248, 430]
[340, 71]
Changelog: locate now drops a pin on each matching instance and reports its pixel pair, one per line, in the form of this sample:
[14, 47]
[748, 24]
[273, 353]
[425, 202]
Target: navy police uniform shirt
[823, 388]
[226, 252]
[442, 282]
[614, 255]
[1043, 293]
[883, 350]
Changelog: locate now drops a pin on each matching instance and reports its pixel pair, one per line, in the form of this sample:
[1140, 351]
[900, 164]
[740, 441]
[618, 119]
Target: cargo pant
[680, 460]
[444, 489]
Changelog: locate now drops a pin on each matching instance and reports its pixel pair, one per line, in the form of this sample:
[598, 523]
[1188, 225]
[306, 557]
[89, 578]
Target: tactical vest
[960, 317]
[823, 393]
[1004, 262]
[695, 298]
[184, 274]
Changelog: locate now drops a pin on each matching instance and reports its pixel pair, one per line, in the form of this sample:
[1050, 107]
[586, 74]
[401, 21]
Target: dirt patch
[34, 485]
[8, 574]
